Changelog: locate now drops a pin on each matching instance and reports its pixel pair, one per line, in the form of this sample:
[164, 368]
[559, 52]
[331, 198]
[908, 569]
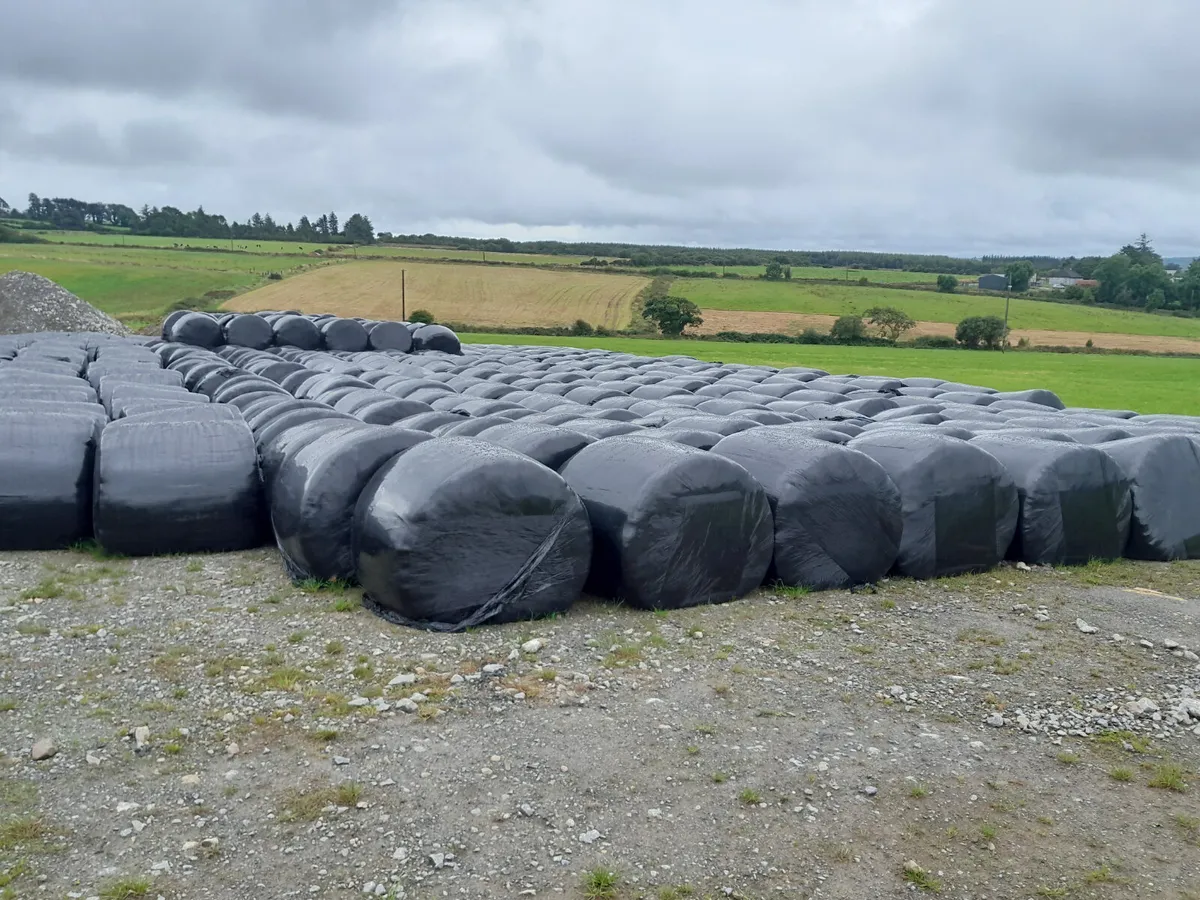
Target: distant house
[1060, 278]
[993, 282]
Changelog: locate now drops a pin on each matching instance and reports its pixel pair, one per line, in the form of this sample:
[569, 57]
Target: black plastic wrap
[296, 331]
[343, 335]
[390, 336]
[1164, 472]
[197, 329]
[436, 337]
[457, 532]
[315, 491]
[248, 331]
[1075, 499]
[46, 462]
[177, 487]
[960, 504]
[837, 514]
[673, 526]
[550, 445]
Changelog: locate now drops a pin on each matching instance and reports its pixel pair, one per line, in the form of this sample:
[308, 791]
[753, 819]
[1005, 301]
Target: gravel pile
[31, 303]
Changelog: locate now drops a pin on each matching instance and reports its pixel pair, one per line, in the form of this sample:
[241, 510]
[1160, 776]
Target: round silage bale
[673, 526]
[959, 503]
[837, 514]
[457, 532]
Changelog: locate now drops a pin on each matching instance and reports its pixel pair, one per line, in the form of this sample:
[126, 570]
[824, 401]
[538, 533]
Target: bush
[581, 328]
[424, 316]
[935, 342]
[987, 332]
[274, 276]
[671, 314]
[890, 321]
[731, 275]
[848, 329]
[864, 281]
[947, 284]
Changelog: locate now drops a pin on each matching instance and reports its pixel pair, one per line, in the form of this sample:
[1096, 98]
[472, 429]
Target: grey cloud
[922, 125]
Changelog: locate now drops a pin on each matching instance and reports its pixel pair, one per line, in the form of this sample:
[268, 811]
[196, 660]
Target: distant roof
[1063, 273]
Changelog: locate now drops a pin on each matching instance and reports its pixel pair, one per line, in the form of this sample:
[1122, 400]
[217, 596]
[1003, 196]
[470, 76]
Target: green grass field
[1145, 384]
[923, 306]
[138, 284]
[875, 276]
[295, 248]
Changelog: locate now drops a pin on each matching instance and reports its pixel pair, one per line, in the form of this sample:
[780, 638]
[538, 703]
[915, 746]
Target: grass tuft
[600, 884]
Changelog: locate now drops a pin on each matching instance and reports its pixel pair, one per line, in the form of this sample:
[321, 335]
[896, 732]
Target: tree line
[68, 213]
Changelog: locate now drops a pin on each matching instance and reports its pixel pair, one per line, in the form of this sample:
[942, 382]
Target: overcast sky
[945, 126]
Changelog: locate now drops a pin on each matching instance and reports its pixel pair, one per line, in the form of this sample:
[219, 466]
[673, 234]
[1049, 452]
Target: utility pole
[403, 312]
[1007, 299]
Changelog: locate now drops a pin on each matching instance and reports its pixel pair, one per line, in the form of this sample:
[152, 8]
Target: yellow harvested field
[473, 294]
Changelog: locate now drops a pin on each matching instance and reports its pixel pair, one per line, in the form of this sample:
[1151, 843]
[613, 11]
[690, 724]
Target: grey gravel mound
[30, 303]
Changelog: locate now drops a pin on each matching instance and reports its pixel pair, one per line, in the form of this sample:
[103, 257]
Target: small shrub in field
[424, 316]
[848, 329]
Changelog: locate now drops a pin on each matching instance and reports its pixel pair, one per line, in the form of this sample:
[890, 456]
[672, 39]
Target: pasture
[1143, 383]
[484, 295]
[304, 248]
[823, 273]
[138, 284]
[923, 306]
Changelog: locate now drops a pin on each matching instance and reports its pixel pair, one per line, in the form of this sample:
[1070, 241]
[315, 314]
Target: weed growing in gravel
[94, 550]
[1189, 824]
[348, 603]
[325, 735]
[1120, 773]
[750, 797]
[333, 648]
[285, 678]
[791, 592]
[296, 637]
[274, 599]
[1168, 777]
[225, 665]
[1068, 757]
[600, 884]
[692, 749]
[46, 589]
[918, 877]
[363, 671]
[8, 876]
[987, 832]
[1060, 891]
[917, 791]
[194, 566]
[30, 628]
[29, 833]
[1102, 875]
[125, 889]
[622, 657]
[8, 704]
[719, 777]
[842, 853]
[979, 636]
[307, 806]
[676, 892]
[1137, 742]
[706, 728]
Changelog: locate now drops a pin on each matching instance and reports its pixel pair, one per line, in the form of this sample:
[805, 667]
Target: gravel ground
[219, 732]
[30, 303]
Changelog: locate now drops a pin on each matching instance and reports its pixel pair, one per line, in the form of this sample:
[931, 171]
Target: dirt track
[792, 323]
[779, 746]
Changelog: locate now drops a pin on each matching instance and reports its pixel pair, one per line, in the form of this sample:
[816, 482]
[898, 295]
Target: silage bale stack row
[501, 483]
